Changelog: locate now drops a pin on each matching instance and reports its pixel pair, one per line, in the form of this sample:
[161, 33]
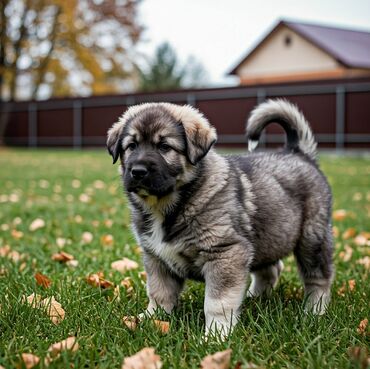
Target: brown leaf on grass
[143, 276]
[347, 286]
[219, 360]
[164, 327]
[4, 251]
[87, 237]
[37, 224]
[349, 233]
[107, 240]
[351, 284]
[365, 261]
[362, 239]
[124, 265]
[144, 359]
[69, 344]
[72, 263]
[97, 280]
[51, 306]
[54, 309]
[346, 254]
[42, 280]
[131, 322]
[128, 285]
[16, 234]
[360, 356]
[335, 231]
[29, 360]
[32, 300]
[362, 326]
[62, 257]
[340, 214]
[54, 351]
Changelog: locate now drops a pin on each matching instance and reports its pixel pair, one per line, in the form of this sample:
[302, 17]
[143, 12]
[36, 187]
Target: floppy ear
[200, 139]
[114, 140]
[200, 135]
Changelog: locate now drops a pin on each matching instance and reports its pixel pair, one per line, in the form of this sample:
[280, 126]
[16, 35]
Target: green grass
[273, 333]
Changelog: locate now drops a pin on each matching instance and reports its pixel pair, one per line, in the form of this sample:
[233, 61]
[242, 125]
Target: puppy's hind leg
[265, 279]
[315, 265]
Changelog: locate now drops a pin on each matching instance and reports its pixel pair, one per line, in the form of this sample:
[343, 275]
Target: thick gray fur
[223, 218]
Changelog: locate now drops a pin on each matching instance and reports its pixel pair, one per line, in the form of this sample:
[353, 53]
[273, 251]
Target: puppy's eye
[132, 146]
[164, 147]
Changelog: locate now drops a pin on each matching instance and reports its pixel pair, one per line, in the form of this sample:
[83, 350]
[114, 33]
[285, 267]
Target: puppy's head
[158, 143]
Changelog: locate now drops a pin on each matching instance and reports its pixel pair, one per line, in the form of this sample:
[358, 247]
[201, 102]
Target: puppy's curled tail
[297, 129]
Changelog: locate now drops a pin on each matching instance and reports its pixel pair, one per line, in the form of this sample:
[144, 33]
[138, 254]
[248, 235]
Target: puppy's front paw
[218, 331]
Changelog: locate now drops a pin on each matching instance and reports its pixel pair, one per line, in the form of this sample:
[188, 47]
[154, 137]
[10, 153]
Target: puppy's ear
[200, 135]
[114, 141]
[200, 139]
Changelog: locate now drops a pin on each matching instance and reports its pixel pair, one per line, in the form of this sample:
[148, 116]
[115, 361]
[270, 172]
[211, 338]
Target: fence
[339, 113]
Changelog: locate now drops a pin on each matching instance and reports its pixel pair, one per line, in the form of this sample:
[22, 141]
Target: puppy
[203, 216]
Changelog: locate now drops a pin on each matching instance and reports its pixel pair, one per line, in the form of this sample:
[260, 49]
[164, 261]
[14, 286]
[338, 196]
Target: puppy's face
[159, 145]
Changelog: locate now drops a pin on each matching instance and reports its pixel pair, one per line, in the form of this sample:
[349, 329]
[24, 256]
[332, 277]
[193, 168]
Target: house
[294, 51]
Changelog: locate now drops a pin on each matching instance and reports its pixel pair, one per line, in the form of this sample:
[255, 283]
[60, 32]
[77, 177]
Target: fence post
[340, 116]
[190, 100]
[77, 124]
[32, 125]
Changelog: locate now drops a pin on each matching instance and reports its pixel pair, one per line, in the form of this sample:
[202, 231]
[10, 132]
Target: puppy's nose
[138, 172]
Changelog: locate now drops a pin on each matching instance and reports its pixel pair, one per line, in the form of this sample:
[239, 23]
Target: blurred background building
[70, 68]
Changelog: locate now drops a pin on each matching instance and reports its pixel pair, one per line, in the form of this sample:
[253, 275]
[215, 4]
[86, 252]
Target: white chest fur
[167, 251]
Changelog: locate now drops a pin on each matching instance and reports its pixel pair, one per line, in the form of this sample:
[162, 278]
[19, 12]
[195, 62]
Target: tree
[164, 72]
[66, 47]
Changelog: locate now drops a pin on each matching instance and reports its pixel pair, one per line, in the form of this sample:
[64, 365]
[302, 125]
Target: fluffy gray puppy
[203, 216]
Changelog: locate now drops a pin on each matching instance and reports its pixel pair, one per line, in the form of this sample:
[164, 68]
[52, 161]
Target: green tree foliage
[164, 72]
[66, 47]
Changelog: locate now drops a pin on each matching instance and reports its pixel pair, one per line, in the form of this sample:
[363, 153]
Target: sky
[220, 33]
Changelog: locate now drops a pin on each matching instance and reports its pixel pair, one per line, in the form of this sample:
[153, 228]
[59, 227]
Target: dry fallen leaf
[346, 254]
[131, 322]
[340, 214]
[69, 344]
[54, 309]
[219, 360]
[360, 356]
[365, 261]
[97, 280]
[72, 263]
[360, 240]
[42, 280]
[87, 237]
[362, 326]
[37, 224]
[124, 265]
[349, 233]
[143, 276]
[164, 327]
[30, 360]
[351, 284]
[62, 256]
[144, 359]
[4, 251]
[16, 234]
[107, 240]
[335, 231]
[32, 300]
[54, 351]
[61, 242]
[128, 285]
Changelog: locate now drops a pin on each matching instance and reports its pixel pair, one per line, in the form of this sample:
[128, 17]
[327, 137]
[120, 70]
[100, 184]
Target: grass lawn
[76, 192]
